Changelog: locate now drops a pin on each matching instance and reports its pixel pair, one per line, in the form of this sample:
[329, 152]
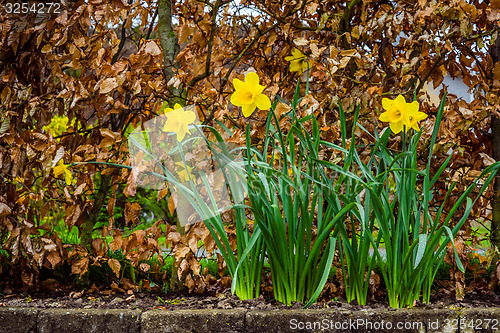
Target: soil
[211, 300]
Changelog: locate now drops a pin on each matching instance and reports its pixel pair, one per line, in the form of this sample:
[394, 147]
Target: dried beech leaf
[80, 266]
[107, 85]
[59, 155]
[116, 243]
[79, 189]
[132, 211]
[171, 204]
[4, 210]
[152, 48]
[115, 266]
[54, 258]
[4, 127]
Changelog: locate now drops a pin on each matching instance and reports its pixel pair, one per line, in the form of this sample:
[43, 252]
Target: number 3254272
[32, 7]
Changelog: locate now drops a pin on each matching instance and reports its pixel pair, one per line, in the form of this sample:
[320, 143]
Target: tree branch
[122, 41]
[168, 39]
[434, 66]
[196, 79]
[148, 34]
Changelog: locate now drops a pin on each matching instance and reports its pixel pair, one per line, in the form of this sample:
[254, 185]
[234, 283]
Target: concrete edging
[13, 320]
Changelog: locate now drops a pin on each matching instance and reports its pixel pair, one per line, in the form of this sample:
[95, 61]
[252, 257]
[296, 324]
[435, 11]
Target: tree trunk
[495, 144]
[99, 201]
[495, 222]
[170, 46]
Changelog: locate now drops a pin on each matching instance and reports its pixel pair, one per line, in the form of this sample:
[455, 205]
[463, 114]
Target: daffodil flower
[184, 174]
[178, 121]
[166, 109]
[58, 125]
[401, 115]
[298, 61]
[61, 168]
[414, 118]
[249, 95]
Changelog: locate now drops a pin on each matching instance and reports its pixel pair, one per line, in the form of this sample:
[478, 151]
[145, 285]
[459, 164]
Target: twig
[122, 40]
[434, 66]
[152, 24]
[196, 79]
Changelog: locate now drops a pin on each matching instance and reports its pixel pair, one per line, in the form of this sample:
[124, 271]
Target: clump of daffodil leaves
[248, 94]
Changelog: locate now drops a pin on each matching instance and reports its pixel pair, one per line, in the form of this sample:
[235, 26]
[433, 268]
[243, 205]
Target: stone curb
[13, 320]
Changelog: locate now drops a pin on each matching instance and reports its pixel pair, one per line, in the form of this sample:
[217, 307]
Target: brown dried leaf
[54, 258]
[174, 237]
[80, 266]
[150, 47]
[115, 266]
[4, 210]
[132, 211]
[107, 85]
[99, 246]
[188, 282]
[116, 243]
[76, 294]
[131, 187]
[79, 189]
[4, 127]
[171, 204]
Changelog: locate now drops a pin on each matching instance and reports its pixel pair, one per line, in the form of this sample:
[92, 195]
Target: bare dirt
[216, 300]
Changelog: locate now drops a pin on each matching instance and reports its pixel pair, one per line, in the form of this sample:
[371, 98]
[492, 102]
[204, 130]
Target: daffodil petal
[235, 100]
[180, 135]
[420, 116]
[297, 54]
[190, 117]
[294, 66]
[413, 107]
[384, 116]
[258, 90]
[304, 66]
[399, 102]
[58, 170]
[248, 109]
[67, 177]
[262, 102]
[238, 84]
[252, 79]
[396, 127]
[387, 104]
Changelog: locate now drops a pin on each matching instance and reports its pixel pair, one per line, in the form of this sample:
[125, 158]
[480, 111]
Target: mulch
[213, 300]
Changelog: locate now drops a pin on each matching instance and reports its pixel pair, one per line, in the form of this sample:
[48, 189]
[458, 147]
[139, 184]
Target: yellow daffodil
[414, 118]
[58, 125]
[178, 121]
[249, 95]
[401, 115]
[61, 168]
[185, 173]
[166, 109]
[298, 61]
